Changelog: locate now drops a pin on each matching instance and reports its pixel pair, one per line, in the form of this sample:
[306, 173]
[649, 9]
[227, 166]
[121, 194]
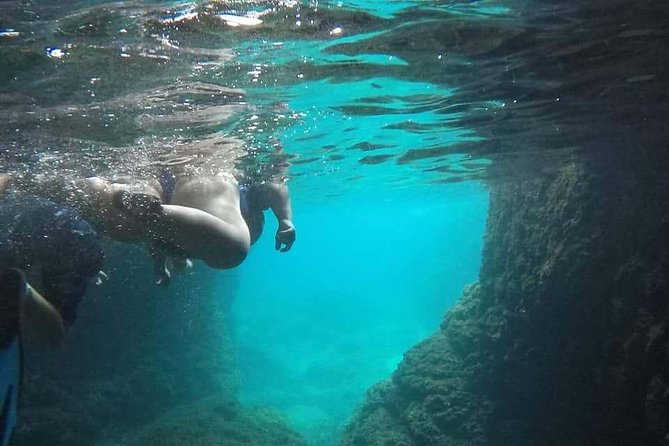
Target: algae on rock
[569, 318]
[216, 422]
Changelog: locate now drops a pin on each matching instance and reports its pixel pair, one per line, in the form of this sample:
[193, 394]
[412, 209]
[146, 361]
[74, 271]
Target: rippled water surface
[397, 92]
[150, 82]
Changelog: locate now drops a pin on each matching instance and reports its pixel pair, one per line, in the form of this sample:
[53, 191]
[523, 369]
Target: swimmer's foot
[144, 207]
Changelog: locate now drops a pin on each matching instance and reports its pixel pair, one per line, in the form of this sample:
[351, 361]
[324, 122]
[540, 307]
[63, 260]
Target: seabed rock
[216, 423]
[564, 341]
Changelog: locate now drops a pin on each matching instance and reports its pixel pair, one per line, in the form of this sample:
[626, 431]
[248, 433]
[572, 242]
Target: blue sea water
[381, 253]
[371, 275]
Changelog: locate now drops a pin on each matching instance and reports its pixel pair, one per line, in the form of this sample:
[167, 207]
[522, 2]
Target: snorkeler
[57, 249]
[59, 253]
[182, 216]
[208, 218]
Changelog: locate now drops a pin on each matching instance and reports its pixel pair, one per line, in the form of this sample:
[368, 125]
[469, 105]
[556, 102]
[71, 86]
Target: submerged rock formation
[564, 341]
[216, 422]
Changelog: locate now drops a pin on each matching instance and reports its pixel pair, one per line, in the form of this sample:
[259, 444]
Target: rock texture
[564, 340]
[215, 422]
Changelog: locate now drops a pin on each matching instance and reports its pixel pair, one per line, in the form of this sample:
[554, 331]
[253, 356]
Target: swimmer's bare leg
[187, 230]
[45, 321]
[201, 235]
[5, 179]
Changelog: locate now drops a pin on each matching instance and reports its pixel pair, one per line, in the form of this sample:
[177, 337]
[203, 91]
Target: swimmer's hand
[285, 237]
[162, 277]
[101, 277]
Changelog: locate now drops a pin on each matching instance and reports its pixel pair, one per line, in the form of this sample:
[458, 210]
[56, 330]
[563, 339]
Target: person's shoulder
[16, 205]
[28, 215]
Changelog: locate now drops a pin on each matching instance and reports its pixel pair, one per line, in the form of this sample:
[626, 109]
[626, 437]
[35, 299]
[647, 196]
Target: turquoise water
[373, 275]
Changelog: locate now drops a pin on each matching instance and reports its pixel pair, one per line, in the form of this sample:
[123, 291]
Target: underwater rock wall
[216, 422]
[564, 341]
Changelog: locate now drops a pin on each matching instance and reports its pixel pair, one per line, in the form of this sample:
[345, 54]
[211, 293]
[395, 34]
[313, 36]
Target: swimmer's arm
[279, 202]
[42, 318]
[277, 198]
